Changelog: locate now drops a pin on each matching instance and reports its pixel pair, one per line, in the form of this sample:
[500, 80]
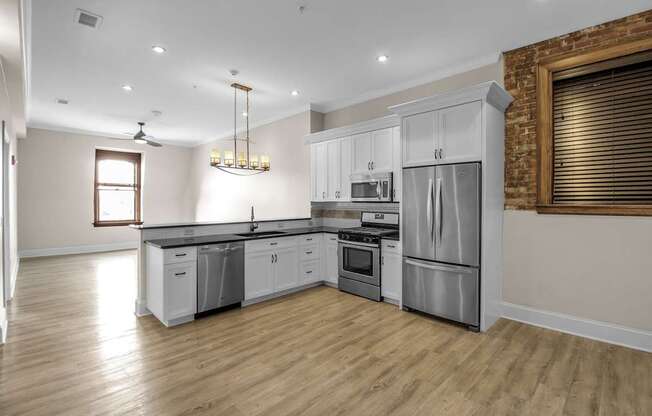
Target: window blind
[602, 130]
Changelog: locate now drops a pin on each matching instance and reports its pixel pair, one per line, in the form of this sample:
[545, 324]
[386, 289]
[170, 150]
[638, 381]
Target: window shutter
[602, 130]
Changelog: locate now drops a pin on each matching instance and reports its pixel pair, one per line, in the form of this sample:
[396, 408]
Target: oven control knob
[368, 240]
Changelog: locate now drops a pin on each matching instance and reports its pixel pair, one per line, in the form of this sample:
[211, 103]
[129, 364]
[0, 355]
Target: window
[594, 132]
[117, 188]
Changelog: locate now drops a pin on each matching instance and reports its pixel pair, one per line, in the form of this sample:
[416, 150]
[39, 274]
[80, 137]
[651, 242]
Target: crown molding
[357, 128]
[490, 92]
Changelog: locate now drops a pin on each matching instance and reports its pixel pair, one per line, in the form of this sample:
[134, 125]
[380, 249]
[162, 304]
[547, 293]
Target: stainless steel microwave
[371, 187]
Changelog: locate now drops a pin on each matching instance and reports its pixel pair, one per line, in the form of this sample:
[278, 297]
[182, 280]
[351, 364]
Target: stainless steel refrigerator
[441, 241]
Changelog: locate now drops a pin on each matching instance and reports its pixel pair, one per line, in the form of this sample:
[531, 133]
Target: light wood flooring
[75, 348]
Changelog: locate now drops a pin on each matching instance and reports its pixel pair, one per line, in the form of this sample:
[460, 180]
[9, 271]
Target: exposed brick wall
[520, 81]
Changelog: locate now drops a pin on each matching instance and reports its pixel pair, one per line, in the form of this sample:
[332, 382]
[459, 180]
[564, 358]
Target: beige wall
[378, 107]
[55, 182]
[592, 267]
[283, 192]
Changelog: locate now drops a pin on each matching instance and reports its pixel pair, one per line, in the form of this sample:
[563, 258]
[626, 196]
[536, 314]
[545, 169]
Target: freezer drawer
[443, 290]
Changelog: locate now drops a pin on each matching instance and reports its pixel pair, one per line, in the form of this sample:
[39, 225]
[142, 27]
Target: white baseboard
[93, 248]
[587, 328]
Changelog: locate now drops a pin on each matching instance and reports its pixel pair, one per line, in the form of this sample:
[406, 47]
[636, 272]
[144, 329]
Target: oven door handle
[348, 243]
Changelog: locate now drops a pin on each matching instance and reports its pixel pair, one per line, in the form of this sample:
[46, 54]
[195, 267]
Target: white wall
[55, 183]
[590, 267]
[283, 192]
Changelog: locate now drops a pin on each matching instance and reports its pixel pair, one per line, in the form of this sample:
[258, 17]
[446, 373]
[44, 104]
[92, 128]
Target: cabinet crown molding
[357, 128]
[490, 92]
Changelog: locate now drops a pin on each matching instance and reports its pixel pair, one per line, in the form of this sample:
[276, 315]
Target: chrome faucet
[253, 225]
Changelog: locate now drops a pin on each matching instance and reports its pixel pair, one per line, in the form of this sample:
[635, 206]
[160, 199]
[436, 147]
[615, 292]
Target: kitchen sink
[261, 233]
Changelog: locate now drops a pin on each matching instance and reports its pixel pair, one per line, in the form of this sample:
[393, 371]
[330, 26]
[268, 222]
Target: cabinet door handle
[273, 244]
[440, 153]
[372, 165]
[368, 165]
[323, 195]
[309, 239]
[309, 271]
[436, 154]
[308, 252]
[272, 259]
[391, 246]
[180, 274]
[382, 260]
[275, 258]
[181, 255]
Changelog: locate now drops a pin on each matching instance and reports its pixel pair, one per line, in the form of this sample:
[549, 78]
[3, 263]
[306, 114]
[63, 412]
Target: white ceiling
[327, 53]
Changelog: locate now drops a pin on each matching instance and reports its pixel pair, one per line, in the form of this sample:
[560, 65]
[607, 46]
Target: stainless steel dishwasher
[220, 276]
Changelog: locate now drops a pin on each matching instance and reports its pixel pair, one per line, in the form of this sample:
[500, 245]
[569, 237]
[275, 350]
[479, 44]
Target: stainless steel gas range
[359, 254]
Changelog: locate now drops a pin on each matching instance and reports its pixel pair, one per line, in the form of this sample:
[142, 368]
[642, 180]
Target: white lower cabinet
[259, 274]
[286, 272]
[280, 264]
[391, 271]
[270, 266]
[172, 284]
[330, 258]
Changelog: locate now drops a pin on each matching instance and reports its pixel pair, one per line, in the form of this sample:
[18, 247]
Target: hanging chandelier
[234, 162]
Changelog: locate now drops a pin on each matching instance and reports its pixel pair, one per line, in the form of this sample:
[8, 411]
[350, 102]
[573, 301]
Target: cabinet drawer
[309, 252]
[330, 238]
[310, 271]
[179, 255]
[391, 246]
[310, 239]
[270, 244]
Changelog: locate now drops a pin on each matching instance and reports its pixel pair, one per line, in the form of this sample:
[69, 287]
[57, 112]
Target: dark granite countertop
[202, 224]
[229, 238]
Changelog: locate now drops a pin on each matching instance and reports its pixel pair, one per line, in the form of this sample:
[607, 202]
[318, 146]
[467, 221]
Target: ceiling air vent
[88, 19]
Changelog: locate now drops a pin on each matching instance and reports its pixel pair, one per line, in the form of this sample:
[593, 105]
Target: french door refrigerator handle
[438, 210]
[429, 209]
[439, 267]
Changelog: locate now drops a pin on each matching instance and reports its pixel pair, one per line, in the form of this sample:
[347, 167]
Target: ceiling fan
[142, 138]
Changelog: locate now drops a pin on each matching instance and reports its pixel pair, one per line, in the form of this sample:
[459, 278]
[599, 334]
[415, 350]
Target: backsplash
[349, 210]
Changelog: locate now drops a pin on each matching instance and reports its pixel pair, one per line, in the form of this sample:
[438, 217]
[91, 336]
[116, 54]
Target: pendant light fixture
[240, 163]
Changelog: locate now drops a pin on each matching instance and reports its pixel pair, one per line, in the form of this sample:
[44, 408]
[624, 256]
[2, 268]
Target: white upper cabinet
[363, 148]
[372, 151]
[332, 170]
[419, 139]
[381, 150]
[319, 176]
[448, 135]
[361, 153]
[460, 135]
[345, 170]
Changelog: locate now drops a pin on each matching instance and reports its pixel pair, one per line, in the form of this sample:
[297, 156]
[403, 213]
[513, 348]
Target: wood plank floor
[75, 348]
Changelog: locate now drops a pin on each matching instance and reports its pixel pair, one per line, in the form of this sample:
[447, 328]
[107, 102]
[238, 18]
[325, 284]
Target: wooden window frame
[104, 154]
[546, 68]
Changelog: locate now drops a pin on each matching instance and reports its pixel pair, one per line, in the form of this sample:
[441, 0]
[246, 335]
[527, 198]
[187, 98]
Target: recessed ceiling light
[127, 87]
[295, 93]
[382, 58]
[158, 49]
